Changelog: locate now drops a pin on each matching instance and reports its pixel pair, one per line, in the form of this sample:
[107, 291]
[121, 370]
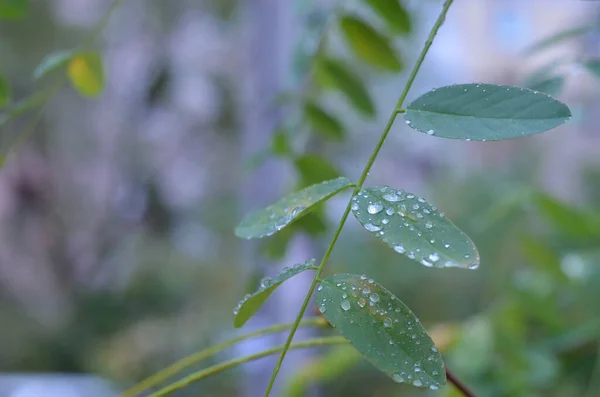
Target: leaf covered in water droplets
[382, 329]
[485, 112]
[413, 227]
[275, 217]
[250, 304]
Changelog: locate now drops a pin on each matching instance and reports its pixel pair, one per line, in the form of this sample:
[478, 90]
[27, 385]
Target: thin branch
[458, 384]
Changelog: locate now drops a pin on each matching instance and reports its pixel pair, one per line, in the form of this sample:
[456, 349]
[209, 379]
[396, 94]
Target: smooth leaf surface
[485, 112]
[14, 9]
[323, 122]
[551, 86]
[251, 303]
[275, 217]
[334, 73]
[86, 73]
[5, 92]
[382, 329]
[314, 169]
[414, 228]
[369, 45]
[52, 62]
[394, 14]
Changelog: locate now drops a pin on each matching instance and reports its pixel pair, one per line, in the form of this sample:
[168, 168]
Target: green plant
[371, 318]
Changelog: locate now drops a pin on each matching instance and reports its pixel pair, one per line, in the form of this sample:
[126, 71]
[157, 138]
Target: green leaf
[52, 62]
[323, 122]
[248, 306]
[275, 217]
[14, 9]
[334, 73]
[314, 169]
[280, 145]
[551, 86]
[593, 66]
[86, 73]
[382, 329]
[413, 227]
[485, 112]
[571, 222]
[5, 92]
[394, 14]
[369, 45]
[559, 37]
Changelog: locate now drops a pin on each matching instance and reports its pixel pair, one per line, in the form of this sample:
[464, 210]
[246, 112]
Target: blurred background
[117, 251]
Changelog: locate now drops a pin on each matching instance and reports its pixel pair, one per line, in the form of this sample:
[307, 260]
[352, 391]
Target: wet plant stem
[359, 185]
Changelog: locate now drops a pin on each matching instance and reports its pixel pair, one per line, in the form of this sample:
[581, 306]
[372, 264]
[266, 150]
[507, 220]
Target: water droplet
[370, 281]
[361, 302]
[389, 211]
[416, 206]
[426, 263]
[433, 387]
[434, 257]
[374, 297]
[426, 211]
[430, 132]
[398, 378]
[410, 196]
[320, 287]
[374, 208]
[447, 245]
[354, 206]
[363, 276]
[411, 255]
[428, 225]
[371, 227]
[322, 308]
[385, 221]
[417, 382]
[434, 349]
[366, 290]
[391, 342]
[391, 197]
[417, 369]
[407, 122]
[400, 249]
[345, 305]
[387, 323]
[344, 295]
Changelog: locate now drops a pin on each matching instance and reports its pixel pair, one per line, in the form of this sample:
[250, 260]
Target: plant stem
[458, 384]
[359, 184]
[194, 358]
[331, 340]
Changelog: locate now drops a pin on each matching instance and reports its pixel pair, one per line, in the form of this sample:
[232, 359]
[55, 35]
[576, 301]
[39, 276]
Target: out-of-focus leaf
[251, 303]
[485, 112]
[414, 228]
[52, 62]
[382, 329]
[323, 122]
[552, 86]
[14, 9]
[268, 221]
[369, 45]
[5, 92]
[280, 144]
[542, 256]
[314, 169]
[334, 73]
[567, 220]
[593, 66]
[86, 73]
[559, 37]
[394, 13]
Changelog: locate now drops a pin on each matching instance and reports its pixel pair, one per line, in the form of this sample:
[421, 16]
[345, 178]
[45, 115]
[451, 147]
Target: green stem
[331, 340]
[359, 184]
[194, 358]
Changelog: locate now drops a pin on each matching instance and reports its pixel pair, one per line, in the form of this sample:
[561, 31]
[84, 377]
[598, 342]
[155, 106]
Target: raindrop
[374, 297]
[322, 309]
[428, 225]
[387, 323]
[410, 196]
[361, 302]
[417, 382]
[385, 221]
[400, 249]
[374, 208]
[434, 257]
[430, 132]
[391, 342]
[371, 227]
[417, 369]
[354, 206]
[366, 290]
[426, 263]
[345, 305]
[447, 245]
[320, 288]
[389, 211]
[363, 277]
[398, 378]
[407, 122]
[433, 387]
[416, 206]
[344, 295]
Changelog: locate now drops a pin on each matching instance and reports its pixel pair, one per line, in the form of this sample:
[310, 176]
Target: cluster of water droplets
[407, 346]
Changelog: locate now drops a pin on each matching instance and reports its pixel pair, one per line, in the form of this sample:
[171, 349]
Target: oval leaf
[485, 112]
[248, 306]
[394, 14]
[266, 222]
[369, 45]
[14, 9]
[382, 329]
[5, 92]
[52, 62]
[87, 73]
[413, 227]
[323, 122]
[334, 73]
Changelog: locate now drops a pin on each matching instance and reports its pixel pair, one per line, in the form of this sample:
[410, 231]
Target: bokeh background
[117, 252]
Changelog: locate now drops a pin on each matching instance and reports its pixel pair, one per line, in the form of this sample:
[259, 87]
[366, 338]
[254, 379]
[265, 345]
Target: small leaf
[485, 112]
[248, 306]
[314, 169]
[394, 14]
[5, 92]
[323, 122]
[87, 73]
[413, 227]
[554, 39]
[333, 72]
[369, 45]
[382, 329]
[551, 86]
[14, 9]
[52, 62]
[268, 221]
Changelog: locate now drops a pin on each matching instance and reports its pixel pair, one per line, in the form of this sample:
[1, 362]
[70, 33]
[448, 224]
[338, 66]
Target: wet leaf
[86, 73]
[314, 169]
[382, 329]
[414, 228]
[369, 45]
[251, 303]
[323, 122]
[394, 14]
[485, 112]
[268, 221]
[14, 9]
[551, 86]
[5, 92]
[52, 62]
[334, 73]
